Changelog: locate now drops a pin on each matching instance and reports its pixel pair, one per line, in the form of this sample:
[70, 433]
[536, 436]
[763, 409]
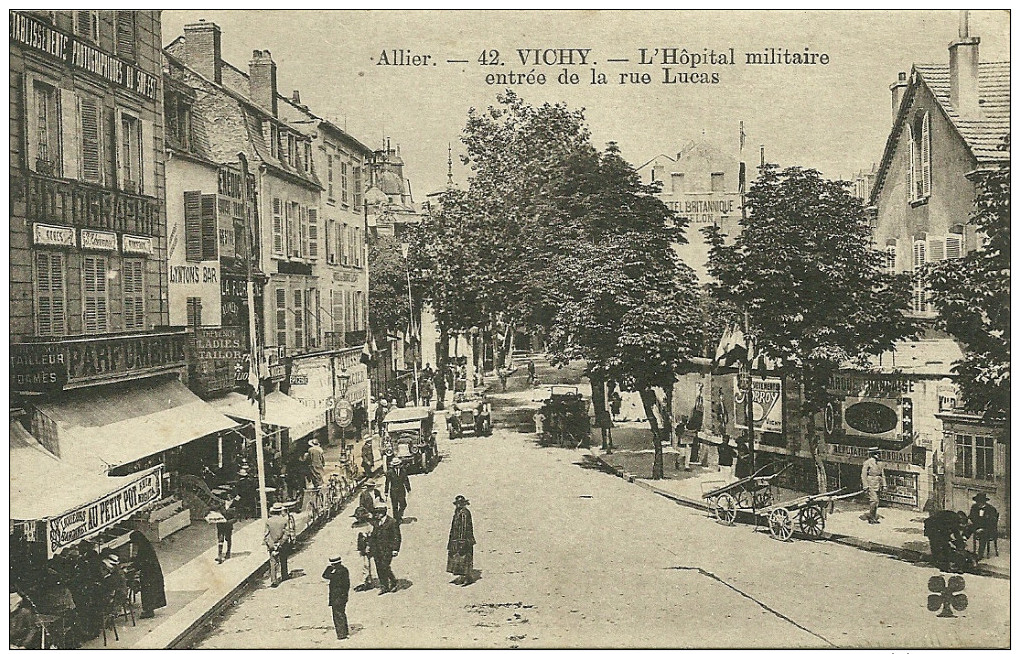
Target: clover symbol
[946, 596]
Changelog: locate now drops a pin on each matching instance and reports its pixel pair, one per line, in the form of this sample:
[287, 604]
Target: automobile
[408, 433]
[566, 417]
[466, 414]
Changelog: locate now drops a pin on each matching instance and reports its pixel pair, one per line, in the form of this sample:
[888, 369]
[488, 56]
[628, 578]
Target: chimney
[897, 93]
[296, 97]
[202, 49]
[262, 80]
[963, 71]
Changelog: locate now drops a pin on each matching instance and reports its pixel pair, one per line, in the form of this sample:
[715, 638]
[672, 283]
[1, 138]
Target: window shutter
[83, 22]
[954, 246]
[194, 312]
[292, 234]
[936, 250]
[126, 35]
[313, 233]
[890, 259]
[343, 244]
[118, 147]
[281, 316]
[299, 319]
[920, 258]
[911, 185]
[210, 231]
[91, 166]
[31, 122]
[926, 155]
[95, 309]
[69, 133]
[278, 238]
[303, 237]
[330, 251]
[49, 285]
[336, 299]
[147, 144]
[193, 225]
[134, 294]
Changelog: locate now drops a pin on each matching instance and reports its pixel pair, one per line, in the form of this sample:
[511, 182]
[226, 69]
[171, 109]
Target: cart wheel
[726, 509]
[781, 524]
[812, 520]
[743, 498]
[763, 497]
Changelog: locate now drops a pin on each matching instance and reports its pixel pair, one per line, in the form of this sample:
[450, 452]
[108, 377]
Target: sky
[833, 117]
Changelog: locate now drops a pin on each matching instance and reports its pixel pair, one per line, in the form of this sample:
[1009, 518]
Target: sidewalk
[900, 533]
[201, 587]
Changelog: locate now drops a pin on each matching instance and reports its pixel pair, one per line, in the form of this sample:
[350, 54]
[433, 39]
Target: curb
[901, 553]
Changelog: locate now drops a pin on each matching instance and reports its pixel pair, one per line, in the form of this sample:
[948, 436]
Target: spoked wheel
[726, 509]
[781, 524]
[812, 521]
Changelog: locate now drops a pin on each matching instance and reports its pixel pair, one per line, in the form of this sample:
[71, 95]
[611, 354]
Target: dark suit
[339, 589]
[384, 541]
[398, 485]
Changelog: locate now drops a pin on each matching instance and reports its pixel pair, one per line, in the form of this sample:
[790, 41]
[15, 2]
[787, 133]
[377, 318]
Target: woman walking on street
[150, 575]
[460, 548]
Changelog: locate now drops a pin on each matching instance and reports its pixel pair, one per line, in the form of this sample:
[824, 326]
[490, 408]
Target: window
[200, 227]
[718, 182]
[194, 312]
[293, 242]
[313, 233]
[126, 35]
[91, 141]
[311, 322]
[281, 317]
[303, 235]
[890, 257]
[95, 294]
[308, 157]
[343, 182]
[299, 319]
[338, 311]
[329, 176]
[955, 248]
[178, 120]
[330, 242]
[920, 291]
[359, 304]
[292, 151]
[272, 137]
[658, 171]
[86, 24]
[133, 279]
[677, 186]
[975, 457]
[278, 228]
[919, 135]
[357, 188]
[50, 294]
[44, 130]
[342, 245]
[129, 163]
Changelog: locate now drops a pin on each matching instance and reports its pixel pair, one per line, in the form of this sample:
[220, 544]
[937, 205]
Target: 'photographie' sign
[77, 525]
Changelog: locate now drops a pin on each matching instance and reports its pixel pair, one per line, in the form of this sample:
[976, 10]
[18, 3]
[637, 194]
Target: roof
[981, 135]
[408, 413]
[281, 410]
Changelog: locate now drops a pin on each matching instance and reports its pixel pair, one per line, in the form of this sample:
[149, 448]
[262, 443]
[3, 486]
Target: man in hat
[370, 496]
[461, 545]
[279, 535]
[983, 522]
[368, 456]
[872, 480]
[248, 490]
[115, 582]
[363, 525]
[384, 544]
[380, 413]
[339, 589]
[315, 458]
[398, 485]
[225, 529]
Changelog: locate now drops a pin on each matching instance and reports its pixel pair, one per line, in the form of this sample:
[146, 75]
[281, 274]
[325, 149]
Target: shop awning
[281, 410]
[43, 486]
[118, 426]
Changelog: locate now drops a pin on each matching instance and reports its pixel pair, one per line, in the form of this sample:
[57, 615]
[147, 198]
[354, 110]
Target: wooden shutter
[954, 246]
[126, 35]
[281, 316]
[343, 244]
[313, 233]
[51, 304]
[133, 278]
[303, 237]
[95, 295]
[210, 228]
[337, 305]
[193, 225]
[292, 232]
[920, 258]
[147, 145]
[926, 155]
[194, 312]
[91, 129]
[330, 249]
[299, 319]
[936, 250]
[31, 122]
[278, 227]
[69, 133]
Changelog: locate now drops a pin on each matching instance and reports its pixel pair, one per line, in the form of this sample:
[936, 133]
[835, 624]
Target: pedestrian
[150, 575]
[315, 460]
[872, 480]
[370, 496]
[427, 373]
[727, 457]
[398, 485]
[225, 529]
[363, 526]
[453, 421]
[279, 535]
[367, 457]
[87, 591]
[380, 414]
[486, 414]
[426, 392]
[501, 373]
[532, 377]
[339, 589]
[115, 582]
[743, 468]
[440, 383]
[539, 424]
[479, 421]
[384, 544]
[461, 545]
[983, 522]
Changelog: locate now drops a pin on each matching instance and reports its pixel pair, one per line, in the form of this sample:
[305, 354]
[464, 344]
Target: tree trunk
[667, 415]
[598, 393]
[648, 400]
[815, 444]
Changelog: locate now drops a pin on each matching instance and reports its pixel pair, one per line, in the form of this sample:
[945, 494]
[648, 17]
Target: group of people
[949, 532]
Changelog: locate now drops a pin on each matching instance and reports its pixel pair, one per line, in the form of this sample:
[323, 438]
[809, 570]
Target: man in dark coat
[370, 496]
[225, 529]
[461, 545]
[743, 468]
[943, 529]
[398, 485]
[339, 589]
[983, 522]
[384, 543]
[440, 384]
[367, 457]
[150, 575]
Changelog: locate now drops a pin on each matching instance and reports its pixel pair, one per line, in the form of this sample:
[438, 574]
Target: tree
[972, 298]
[814, 289]
[387, 285]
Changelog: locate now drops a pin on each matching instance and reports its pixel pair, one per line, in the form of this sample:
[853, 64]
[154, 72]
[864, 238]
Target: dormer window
[919, 135]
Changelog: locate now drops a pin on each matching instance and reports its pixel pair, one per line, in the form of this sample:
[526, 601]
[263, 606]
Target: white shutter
[920, 258]
[926, 156]
[147, 143]
[91, 140]
[278, 227]
[303, 237]
[69, 133]
[911, 185]
[890, 259]
[313, 233]
[118, 148]
[31, 123]
[954, 246]
[936, 250]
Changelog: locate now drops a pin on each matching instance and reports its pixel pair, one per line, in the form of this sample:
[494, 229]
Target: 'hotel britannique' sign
[78, 524]
[39, 36]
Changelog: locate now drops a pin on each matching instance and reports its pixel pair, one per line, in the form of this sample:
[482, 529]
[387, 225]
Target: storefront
[323, 382]
[976, 461]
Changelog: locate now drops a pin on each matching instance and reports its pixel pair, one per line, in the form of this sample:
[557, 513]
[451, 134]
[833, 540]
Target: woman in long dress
[460, 548]
[150, 575]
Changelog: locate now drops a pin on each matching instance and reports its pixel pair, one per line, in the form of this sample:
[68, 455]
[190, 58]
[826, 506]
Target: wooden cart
[807, 512]
[747, 494]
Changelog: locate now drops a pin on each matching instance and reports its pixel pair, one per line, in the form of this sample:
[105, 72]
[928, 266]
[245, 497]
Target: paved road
[573, 557]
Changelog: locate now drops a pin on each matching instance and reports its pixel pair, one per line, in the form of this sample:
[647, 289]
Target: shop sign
[100, 359]
[77, 525]
[344, 413]
[698, 209]
[215, 352]
[345, 276]
[870, 418]
[93, 240]
[52, 235]
[870, 386]
[136, 244]
[40, 368]
[86, 205]
[34, 34]
[766, 404]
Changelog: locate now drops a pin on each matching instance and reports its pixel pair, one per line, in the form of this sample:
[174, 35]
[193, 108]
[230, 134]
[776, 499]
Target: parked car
[469, 415]
[408, 433]
[566, 417]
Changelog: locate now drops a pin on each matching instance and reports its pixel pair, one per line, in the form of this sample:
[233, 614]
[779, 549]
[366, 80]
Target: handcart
[746, 494]
[810, 514]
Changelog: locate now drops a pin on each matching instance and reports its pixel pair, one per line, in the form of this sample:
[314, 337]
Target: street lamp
[405, 248]
[342, 380]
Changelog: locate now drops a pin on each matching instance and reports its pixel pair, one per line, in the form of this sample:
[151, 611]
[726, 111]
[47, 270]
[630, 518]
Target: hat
[243, 472]
[276, 508]
[396, 461]
[361, 512]
[313, 443]
[112, 559]
[872, 450]
[980, 497]
[334, 559]
[384, 402]
[381, 508]
[460, 500]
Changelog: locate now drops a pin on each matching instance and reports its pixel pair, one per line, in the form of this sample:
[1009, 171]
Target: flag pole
[749, 391]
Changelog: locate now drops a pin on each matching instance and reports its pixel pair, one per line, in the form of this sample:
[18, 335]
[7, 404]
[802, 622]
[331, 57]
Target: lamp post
[342, 381]
[405, 248]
